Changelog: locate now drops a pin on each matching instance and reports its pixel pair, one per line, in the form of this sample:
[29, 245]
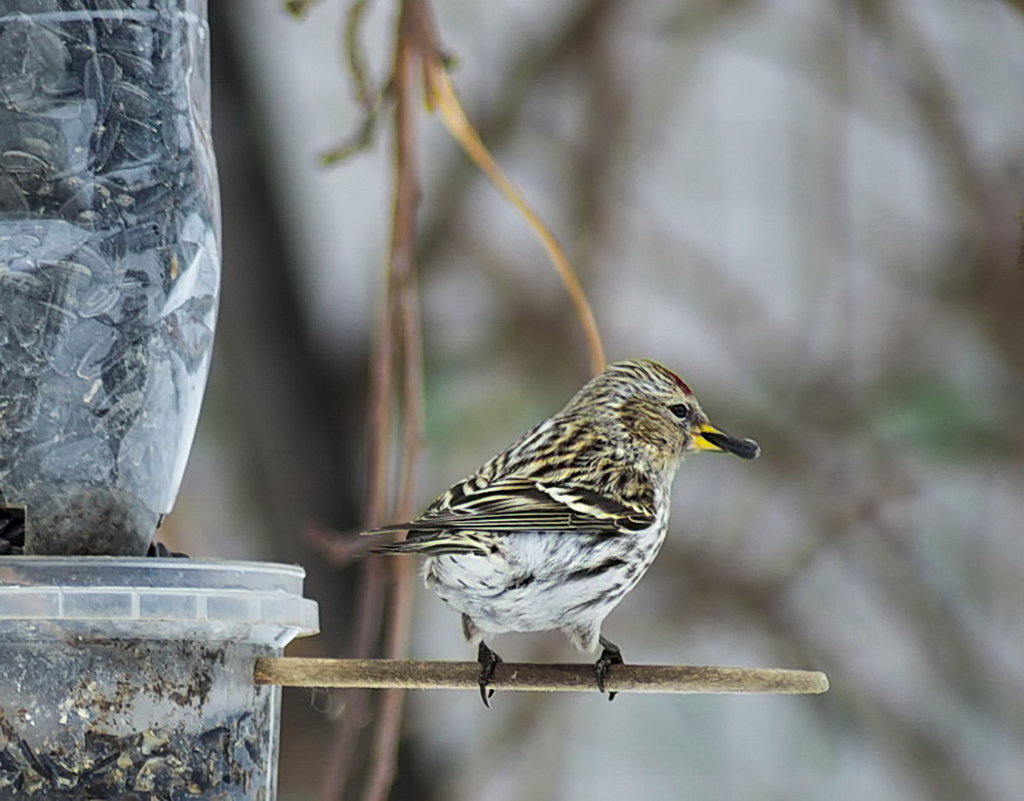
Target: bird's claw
[611, 655]
[488, 661]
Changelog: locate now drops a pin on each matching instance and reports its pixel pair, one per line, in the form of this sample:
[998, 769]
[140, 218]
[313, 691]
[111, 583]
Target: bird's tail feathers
[437, 545]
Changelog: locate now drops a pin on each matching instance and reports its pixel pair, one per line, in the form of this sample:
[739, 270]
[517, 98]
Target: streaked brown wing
[519, 504]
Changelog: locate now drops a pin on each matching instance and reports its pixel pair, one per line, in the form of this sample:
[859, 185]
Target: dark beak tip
[744, 448]
[747, 449]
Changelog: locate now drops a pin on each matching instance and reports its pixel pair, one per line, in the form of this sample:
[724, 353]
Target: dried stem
[357, 65]
[532, 65]
[397, 320]
[421, 675]
[368, 96]
[298, 8]
[372, 581]
[405, 309]
[442, 99]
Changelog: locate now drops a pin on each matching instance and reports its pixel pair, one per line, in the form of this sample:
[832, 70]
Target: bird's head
[658, 412]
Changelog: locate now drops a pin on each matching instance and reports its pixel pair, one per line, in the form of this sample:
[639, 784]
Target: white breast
[541, 580]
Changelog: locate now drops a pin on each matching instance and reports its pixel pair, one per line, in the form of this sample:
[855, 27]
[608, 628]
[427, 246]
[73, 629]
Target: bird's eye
[680, 410]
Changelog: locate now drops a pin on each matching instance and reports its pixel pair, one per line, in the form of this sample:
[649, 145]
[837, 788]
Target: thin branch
[357, 142]
[1020, 252]
[373, 580]
[298, 8]
[372, 100]
[358, 67]
[373, 583]
[421, 675]
[405, 311]
[442, 98]
[529, 68]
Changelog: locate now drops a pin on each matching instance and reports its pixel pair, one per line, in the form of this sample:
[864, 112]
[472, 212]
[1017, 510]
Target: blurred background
[810, 211]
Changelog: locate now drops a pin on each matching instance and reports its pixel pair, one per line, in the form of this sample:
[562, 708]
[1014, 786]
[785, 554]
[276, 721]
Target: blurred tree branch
[397, 359]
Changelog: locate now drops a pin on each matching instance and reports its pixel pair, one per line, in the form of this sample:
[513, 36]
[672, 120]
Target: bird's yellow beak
[708, 438]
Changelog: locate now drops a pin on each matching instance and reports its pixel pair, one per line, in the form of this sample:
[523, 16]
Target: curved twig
[443, 100]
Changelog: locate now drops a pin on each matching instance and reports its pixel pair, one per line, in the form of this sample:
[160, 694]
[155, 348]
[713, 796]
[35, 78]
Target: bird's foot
[611, 655]
[488, 661]
[12, 530]
[158, 549]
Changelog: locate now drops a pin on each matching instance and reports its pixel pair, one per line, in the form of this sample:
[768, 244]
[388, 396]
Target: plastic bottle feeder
[133, 678]
[120, 678]
[109, 266]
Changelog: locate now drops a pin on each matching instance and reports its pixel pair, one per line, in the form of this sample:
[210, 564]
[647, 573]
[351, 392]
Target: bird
[553, 531]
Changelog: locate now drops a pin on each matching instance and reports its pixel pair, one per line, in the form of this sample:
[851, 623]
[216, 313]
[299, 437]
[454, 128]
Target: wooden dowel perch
[423, 675]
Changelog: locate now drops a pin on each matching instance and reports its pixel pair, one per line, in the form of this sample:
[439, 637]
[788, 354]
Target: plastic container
[109, 264]
[133, 678]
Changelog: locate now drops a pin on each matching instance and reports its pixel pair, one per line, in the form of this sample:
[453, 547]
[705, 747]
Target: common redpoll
[553, 531]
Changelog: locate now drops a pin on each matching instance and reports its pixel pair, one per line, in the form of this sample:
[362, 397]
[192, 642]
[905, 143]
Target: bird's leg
[488, 661]
[611, 655]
